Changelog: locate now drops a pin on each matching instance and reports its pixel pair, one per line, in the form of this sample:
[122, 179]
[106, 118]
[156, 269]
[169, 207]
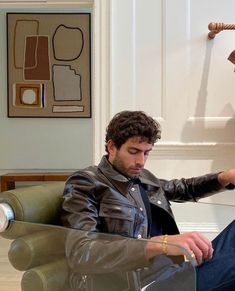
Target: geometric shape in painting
[70, 49]
[66, 83]
[28, 95]
[36, 60]
[67, 108]
[22, 29]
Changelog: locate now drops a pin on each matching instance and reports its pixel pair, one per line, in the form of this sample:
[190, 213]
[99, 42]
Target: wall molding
[204, 227]
[221, 119]
[101, 77]
[203, 150]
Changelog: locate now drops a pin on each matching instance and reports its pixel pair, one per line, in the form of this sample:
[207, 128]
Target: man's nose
[140, 160]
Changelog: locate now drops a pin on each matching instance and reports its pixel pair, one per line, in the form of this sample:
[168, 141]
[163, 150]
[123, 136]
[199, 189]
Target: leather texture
[106, 195]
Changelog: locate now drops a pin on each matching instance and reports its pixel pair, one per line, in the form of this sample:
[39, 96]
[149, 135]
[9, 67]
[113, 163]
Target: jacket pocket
[117, 218]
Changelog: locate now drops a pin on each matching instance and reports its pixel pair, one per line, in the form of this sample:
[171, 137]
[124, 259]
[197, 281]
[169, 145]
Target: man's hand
[195, 243]
[227, 177]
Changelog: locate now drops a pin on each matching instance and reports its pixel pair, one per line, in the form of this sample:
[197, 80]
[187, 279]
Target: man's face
[131, 157]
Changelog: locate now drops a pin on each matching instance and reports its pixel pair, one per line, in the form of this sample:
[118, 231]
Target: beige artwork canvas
[49, 64]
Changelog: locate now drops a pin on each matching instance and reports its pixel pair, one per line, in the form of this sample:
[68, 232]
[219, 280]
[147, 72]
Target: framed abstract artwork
[49, 64]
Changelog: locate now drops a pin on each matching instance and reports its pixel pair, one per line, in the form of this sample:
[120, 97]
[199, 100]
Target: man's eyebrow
[137, 149]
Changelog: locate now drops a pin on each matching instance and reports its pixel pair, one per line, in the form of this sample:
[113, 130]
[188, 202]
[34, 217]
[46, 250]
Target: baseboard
[209, 230]
[199, 226]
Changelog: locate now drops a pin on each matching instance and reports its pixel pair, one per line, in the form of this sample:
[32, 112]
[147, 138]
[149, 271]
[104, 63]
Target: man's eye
[132, 152]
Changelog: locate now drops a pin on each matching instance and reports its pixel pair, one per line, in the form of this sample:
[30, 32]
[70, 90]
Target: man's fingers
[205, 246]
[199, 245]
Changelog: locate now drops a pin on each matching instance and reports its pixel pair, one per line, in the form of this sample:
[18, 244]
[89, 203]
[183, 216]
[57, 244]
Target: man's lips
[136, 170]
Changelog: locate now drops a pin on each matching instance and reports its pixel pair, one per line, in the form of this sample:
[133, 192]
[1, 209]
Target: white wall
[163, 63]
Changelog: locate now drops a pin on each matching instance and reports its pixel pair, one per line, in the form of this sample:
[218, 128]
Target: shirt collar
[121, 182]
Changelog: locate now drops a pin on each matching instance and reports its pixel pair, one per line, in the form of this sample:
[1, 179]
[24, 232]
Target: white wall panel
[137, 63]
[149, 57]
[208, 76]
[164, 64]
[122, 39]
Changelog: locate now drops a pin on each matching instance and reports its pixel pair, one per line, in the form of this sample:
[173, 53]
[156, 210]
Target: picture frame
[49, 64]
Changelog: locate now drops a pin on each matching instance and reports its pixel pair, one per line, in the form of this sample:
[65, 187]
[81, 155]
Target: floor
[9, 277]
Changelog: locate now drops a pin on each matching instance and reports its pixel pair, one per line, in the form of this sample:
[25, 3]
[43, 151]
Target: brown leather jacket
[95, 199]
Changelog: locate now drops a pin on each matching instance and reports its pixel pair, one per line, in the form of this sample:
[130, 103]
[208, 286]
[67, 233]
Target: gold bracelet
[164, 244]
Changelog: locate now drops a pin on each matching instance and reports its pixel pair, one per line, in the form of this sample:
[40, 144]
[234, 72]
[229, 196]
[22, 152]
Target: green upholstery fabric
[38, 204]
[36, 249]
[49, 277]
[37, 246]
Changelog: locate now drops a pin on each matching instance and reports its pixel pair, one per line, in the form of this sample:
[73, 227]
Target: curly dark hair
[127, 124]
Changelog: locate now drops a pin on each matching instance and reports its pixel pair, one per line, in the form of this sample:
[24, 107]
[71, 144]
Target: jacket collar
[121, 182]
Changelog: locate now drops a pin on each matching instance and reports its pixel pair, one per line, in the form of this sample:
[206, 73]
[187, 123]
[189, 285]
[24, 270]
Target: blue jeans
[218, 274]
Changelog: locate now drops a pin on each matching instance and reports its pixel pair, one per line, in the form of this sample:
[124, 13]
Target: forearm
[91, 252]
[155, 247]
[191, 244]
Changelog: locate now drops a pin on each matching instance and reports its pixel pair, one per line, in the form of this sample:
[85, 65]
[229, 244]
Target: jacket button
[159, 202]
[139, 236]
[133, 189]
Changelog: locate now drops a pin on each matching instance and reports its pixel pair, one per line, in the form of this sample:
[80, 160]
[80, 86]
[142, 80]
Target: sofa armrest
[35, 204]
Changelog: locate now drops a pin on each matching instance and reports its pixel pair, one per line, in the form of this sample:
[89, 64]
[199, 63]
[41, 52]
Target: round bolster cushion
[37, 204]
[49, 277]
[37, 248]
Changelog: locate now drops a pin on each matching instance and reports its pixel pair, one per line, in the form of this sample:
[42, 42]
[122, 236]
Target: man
[120, 197]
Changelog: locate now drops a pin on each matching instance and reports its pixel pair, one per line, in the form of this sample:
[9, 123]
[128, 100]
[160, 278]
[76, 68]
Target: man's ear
[111, 147]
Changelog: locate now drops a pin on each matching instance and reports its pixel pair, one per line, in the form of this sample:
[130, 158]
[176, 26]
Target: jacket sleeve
[97, 253]
[88, 250]
[80, 205]
[191, 189]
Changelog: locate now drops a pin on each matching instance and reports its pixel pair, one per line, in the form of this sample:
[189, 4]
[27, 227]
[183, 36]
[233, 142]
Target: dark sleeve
[93, 252]
[80, 205]
[230, 186]
[87, 249]
[192, 189]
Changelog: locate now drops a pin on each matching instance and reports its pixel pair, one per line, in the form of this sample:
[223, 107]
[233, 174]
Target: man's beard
[119, 166]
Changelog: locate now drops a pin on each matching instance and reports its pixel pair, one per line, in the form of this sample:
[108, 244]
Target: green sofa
[30, 218]
[38, 242]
